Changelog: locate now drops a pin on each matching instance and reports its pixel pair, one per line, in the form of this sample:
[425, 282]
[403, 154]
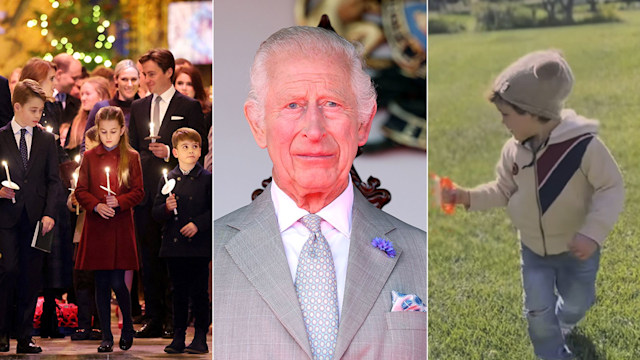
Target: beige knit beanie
[538, 83]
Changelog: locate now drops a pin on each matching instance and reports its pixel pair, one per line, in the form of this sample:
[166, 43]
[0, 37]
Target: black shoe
[200, 348]
[27, 347]
[197, 346]
[126, 340]
[149, 330]
[175, 348]
[81, 334]
[105, 346]
[177, 345]
[4, 343]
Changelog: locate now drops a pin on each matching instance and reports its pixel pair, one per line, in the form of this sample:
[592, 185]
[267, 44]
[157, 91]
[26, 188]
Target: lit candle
[75, 185]
[106, 170]
[77, 159]
[152, 131]
[49, 128]
[6, 168]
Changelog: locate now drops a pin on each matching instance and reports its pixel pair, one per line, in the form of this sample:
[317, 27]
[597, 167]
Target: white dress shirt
[28, 136]
[335, 226]
[164, 104]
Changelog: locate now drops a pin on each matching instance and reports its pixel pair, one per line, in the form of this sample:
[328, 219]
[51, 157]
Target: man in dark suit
[310, 266]
[68, 73]
[6, 110]
[31, 156]
[167, 110]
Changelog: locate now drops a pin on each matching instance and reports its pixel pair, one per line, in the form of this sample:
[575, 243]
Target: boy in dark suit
[186, 239]
[31, 156]
[168, 110]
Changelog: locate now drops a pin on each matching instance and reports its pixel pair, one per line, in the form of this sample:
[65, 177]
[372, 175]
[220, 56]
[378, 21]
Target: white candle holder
[169, 185]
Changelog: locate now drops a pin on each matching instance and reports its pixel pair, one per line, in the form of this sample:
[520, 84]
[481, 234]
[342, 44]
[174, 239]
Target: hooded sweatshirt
[570, 185]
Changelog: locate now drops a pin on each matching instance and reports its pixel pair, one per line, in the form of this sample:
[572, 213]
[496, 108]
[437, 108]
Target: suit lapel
[36, 143]
[145, 116]
[10, 143]
[171, 109]
[147, 108]
[258, 243]
[367, 271]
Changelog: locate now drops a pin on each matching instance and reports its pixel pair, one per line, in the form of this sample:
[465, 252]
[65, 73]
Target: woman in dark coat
[108, 243]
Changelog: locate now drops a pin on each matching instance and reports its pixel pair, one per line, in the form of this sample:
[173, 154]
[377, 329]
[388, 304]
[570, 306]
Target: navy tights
[105, 281]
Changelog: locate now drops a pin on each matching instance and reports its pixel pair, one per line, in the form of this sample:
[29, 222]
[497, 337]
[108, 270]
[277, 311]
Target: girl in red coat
[109, 186]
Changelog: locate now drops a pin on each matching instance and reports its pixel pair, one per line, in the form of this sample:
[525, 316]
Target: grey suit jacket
[256, 310]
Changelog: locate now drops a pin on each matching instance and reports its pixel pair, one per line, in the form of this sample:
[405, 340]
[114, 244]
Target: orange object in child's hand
[446, 186]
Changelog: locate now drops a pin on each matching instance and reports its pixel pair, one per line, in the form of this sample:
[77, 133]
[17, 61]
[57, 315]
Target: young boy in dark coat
[186, 239]
[31, 163]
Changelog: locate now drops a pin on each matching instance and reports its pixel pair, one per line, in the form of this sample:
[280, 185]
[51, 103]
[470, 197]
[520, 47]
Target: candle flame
[106, 169]
[49, 129]
[77, 158]
[164, 171]
[4, 163]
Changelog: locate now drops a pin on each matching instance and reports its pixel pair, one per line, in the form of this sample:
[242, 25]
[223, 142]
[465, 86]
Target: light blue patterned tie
[317, 291]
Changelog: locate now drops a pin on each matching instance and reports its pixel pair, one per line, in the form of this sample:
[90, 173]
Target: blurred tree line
[513, 14]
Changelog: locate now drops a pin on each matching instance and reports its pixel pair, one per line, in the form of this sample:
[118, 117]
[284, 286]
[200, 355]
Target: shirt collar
[338, 213]
[167, 95]
[15, 127]
[195, 172]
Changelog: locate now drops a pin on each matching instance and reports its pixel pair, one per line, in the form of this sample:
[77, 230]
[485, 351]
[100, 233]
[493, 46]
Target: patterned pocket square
[406, 302]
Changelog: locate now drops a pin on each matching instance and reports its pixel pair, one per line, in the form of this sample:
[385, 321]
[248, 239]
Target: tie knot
[157, 99]
[61, 97]
[23, 131]
[311, 222]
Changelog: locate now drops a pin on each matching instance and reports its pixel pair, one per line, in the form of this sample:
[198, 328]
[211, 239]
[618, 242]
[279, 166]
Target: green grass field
[475, 294]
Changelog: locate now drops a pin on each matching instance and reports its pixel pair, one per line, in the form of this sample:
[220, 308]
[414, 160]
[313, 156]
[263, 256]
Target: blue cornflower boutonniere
[384, 245]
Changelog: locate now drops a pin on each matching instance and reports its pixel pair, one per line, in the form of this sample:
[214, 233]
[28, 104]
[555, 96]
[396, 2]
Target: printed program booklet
[42, 242]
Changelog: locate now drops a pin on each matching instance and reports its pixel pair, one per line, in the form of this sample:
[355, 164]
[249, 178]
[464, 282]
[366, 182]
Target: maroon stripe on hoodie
[553, 155]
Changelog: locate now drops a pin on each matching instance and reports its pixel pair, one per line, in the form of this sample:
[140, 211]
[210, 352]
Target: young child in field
[108, 243]
[186, 239]
[563, 192]
[31, 163]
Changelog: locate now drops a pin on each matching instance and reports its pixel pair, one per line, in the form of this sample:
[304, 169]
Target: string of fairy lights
[103, 40]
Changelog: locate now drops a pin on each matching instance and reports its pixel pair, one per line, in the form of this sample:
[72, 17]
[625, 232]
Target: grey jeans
[558, 291]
